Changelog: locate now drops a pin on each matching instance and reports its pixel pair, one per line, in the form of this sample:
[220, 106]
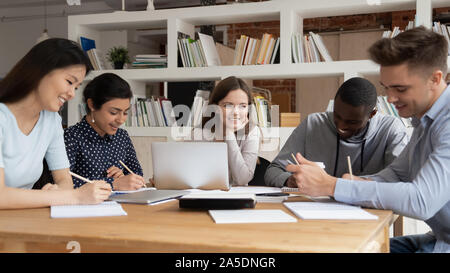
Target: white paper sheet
[251, 216]
[107, 208]
[332, 211]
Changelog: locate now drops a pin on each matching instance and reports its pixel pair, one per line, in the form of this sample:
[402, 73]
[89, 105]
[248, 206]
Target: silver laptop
[190, 165]
[147, 197]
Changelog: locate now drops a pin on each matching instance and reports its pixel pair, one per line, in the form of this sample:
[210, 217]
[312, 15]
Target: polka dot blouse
[91, 155]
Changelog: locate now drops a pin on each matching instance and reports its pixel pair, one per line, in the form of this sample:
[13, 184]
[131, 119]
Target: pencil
[128, 169]
[293, 156]
[80, 177]
[350, 167]
[125, 166]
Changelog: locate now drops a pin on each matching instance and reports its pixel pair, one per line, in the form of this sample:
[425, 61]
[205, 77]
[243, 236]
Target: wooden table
[166, 228]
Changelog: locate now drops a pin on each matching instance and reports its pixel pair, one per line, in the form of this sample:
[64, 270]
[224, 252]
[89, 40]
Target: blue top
[21, 156]
[91, 155]
[419, 179]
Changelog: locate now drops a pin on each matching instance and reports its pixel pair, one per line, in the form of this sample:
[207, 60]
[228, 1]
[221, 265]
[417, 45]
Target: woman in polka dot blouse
[96, 144]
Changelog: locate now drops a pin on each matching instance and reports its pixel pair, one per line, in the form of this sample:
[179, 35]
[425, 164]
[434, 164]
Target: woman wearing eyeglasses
[233, 121]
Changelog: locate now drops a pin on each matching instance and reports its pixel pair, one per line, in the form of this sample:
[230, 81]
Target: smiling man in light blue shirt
[413, 67]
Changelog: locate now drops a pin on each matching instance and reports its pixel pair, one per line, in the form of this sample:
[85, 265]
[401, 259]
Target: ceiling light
[44, 35]
[73, 2]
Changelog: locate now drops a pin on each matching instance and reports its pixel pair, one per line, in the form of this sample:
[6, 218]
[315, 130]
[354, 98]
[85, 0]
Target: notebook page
[131, 191]
[107, 208]
[331, 211]
[251, 216]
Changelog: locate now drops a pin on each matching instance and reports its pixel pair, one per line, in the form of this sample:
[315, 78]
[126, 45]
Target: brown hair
[222, 89]
[225, 86]
[419, 48]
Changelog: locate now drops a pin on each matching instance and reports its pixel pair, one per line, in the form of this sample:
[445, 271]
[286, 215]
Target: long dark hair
[46, 56]
[106, 87]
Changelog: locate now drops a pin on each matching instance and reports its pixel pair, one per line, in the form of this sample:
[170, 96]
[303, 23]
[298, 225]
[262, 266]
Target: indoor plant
[118, 56]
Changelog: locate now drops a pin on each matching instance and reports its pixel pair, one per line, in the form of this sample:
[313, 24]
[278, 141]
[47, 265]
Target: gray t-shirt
[316, 139]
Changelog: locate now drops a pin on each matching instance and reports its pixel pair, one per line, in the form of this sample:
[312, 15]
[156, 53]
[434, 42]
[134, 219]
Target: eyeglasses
[230, 106]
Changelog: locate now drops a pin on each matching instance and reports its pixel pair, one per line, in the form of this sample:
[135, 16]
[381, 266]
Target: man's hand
[311, 179]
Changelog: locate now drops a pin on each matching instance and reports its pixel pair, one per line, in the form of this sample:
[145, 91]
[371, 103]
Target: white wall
[22, 35]
[20, 28]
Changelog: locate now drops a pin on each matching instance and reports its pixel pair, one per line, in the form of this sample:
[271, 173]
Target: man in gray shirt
[413, 67]
[354, 129]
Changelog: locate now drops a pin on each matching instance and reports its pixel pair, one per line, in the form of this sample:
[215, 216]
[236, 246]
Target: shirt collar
[91, 133]
[437, 107]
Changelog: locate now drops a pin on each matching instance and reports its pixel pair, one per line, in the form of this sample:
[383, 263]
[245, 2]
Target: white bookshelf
[110, 30]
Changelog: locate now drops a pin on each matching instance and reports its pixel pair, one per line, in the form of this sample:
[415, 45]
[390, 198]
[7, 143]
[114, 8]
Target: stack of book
[150, 61]
[262, 111]
[251, 51]
[150, 112]
[309, 48]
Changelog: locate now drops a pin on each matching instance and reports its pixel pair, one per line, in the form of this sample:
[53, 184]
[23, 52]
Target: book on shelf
[209, 49]
[262, 111]
[149, 61]
[396, 30]
[309, 48]
[387, 108]
[236, 50]
[444, 30]
[95, 56]
[276, 52]
[150, 112]
[252, 51]
[297, 52]
[167, 110]
[198, 106]
[262, 50]
[198, 53]
[321, 47]
[86, 43]
[437, 27]
[97, 59]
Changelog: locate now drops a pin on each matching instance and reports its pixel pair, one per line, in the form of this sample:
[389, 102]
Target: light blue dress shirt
[21, 156]
[417, 183]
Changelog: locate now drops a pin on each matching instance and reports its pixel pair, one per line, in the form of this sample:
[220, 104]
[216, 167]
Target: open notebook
[107, 208]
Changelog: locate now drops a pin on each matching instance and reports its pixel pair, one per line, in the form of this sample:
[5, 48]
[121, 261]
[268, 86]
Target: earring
[92, 115]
